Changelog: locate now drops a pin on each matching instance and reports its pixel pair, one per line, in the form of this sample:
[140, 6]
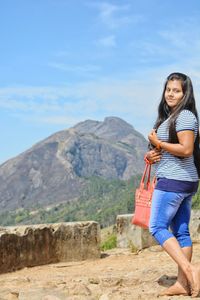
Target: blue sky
[65, 61]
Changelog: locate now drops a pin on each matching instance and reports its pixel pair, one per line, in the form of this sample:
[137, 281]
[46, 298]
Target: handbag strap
[147, 170]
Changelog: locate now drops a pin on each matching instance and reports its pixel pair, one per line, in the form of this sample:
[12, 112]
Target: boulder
[132, 236]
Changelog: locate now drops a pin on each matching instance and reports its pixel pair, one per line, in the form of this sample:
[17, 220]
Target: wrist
[159, 145]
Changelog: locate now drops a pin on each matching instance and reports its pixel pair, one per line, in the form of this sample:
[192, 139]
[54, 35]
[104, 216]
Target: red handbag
[143, 197]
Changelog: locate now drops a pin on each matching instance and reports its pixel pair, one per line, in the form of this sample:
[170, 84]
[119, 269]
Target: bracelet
[158, 146]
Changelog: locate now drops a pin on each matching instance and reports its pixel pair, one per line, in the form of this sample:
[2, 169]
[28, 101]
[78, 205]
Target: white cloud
[106, 14]
[75, 69]
[115, 16]
[175, 38]
[108, 41]
[135, 98]
[62, 54]
[32, 92]
[149, 49]
[173, 45]
[182, 34]
[12, 104]
[89, 100]
[66, 121]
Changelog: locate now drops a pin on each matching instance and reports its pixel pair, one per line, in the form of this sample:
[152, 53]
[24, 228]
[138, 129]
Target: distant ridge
[54, 170]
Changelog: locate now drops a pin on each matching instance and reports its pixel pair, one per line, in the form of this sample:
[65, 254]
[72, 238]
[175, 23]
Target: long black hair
[188, 102]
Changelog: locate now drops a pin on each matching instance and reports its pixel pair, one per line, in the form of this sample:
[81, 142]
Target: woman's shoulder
[185, 114]
[186, 120]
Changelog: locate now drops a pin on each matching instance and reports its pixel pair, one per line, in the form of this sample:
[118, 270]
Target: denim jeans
[170, 209]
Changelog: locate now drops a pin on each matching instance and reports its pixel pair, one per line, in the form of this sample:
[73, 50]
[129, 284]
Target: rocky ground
[118, 275]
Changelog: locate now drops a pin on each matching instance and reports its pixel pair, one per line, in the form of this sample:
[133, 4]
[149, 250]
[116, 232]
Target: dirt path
[119, 275]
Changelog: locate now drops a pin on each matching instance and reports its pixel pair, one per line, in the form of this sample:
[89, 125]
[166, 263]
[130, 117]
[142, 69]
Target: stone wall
[27, 246]
[195, 225]
[132, 236]
[129, 235]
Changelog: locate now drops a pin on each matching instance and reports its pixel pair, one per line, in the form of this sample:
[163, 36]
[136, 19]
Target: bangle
[158, 146]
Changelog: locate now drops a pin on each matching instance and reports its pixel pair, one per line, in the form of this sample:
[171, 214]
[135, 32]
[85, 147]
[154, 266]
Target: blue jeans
[170, 209]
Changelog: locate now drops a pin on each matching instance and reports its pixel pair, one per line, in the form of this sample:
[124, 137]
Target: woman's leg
[192, 272]
[180, 229]
[164, 207]
[181, 278]
[181, 286]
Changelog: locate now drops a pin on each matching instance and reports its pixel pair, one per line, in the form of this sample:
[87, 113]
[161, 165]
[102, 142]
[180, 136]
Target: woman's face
[173, 93]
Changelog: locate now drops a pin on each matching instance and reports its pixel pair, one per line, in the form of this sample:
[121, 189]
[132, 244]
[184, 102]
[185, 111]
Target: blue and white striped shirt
[173, 167]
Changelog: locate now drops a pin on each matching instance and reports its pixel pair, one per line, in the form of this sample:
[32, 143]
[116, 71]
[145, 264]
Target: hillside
[101, 200]
[55, 171]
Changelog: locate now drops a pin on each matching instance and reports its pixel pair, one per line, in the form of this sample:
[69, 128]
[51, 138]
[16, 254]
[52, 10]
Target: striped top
[173, 167]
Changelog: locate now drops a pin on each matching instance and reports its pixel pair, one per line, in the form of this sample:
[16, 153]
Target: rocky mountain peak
[112, 128]
[54, 170]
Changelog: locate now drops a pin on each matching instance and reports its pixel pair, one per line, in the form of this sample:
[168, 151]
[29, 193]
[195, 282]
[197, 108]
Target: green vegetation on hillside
[101, 200]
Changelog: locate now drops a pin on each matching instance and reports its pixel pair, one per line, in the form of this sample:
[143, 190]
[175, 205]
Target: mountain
[55, 170]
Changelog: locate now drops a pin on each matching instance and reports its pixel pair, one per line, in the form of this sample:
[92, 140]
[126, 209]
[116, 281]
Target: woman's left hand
[153, 138]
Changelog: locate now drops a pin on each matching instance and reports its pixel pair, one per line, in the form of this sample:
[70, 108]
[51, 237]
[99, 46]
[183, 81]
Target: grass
[108, 238]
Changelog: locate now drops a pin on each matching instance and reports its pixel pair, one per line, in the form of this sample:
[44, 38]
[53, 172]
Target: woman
[175, 142]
